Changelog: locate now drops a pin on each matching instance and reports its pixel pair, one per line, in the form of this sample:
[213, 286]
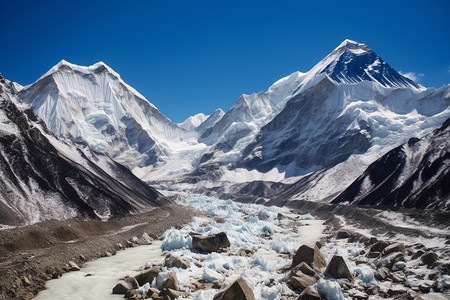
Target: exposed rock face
[411, 175]
[304, 268]
[211, 243]
[237, 290]
[337, 268]
[311, 256]
[44, 178]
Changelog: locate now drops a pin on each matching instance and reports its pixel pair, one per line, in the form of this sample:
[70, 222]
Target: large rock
[124, 285]
[211, 243]
[171, 282]
[301, 281]
[342, 235]
[310, 293]
[429, 257]
[303, 268]
[238, 290]
[337, 268]
[173, 261]
[174, 294]
[311, 256]
[378, 246]
[397, 247]
[147, 275]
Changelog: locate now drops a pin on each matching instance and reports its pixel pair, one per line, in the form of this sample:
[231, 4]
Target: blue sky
[188, 57]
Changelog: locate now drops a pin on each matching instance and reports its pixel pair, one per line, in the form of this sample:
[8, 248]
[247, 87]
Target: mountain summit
[353, 62]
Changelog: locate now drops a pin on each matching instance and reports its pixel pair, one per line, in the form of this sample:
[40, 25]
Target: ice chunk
[330, 290]
[175, 239]
[365, 273]
[209, 275]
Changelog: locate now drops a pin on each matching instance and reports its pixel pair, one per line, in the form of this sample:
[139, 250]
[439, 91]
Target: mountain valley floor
[31, 255]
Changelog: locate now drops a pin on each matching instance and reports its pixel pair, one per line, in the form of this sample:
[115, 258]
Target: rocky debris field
[31, 255]
[207, 260]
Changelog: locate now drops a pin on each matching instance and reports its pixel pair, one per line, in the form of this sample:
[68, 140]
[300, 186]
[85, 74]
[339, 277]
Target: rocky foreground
[311, 276]
[345, 264]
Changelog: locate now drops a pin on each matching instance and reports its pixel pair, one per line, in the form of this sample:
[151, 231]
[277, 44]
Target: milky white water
[269, 232]
[105, 273]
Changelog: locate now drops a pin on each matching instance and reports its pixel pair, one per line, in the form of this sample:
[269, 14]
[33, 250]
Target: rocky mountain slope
[415, 174]
[47, 178]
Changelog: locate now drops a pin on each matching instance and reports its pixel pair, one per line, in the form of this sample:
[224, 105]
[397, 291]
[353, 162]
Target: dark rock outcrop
[211, 243]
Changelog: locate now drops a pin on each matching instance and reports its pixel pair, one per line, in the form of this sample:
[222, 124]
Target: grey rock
[211, 243]
[429, 257]
[171, 282]
[342, 235]
[397, 247]
[124, 285]
[173, 261]
[73, 266]
[237, 290]
[147, 275]
[301, 281]
[304, 268]
[310, 293]
[378, 246]
[311, 256]
[337, 268]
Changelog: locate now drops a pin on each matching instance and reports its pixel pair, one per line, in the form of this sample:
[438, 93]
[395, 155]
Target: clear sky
[193, 56]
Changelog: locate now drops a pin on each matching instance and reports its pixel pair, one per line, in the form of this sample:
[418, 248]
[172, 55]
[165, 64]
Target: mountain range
[310, 136]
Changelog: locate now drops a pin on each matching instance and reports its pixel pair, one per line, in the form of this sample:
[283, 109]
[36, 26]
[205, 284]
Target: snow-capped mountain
[94, 106]
[43, 177]
[315, 131]
[351, 102]
[193, 122]
[415, 174]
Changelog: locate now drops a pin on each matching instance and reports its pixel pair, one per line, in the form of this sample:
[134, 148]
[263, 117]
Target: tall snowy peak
[212, 120]
[347, 103]
[43, 177]
[94, 106]
[193, 122]
[353, 62]
[415, 174]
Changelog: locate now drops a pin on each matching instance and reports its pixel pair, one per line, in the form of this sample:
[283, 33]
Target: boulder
[301, 281]
[174, 294]
[145, 239]
[304, 268]
[310, 293]
[147, 275]
[73, 266]
[337, 268]
[173, 261]
[429, 257]
[378, 246]
[418, 254]
[397, 247]
[373, 254]
[128, 283]
[382, 273]
[171, 282]
[373, 290]
[342, 235]
[211, 243]
[238, 290]
[311, 256]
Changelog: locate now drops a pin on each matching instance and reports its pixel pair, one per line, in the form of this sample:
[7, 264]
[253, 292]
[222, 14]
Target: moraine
[272, 242]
